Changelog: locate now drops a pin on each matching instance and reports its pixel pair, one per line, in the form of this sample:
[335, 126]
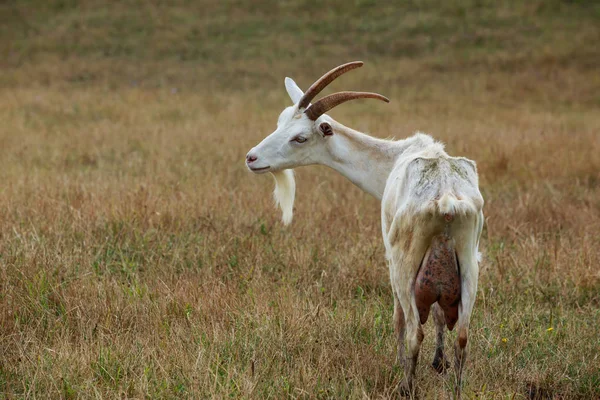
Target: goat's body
[431, 208]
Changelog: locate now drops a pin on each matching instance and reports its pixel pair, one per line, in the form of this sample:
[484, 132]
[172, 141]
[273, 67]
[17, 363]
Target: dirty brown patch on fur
[439, 280]
[462, 339]
[408, 235]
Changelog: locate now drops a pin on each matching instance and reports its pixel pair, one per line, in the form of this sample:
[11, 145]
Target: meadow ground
[139, 257]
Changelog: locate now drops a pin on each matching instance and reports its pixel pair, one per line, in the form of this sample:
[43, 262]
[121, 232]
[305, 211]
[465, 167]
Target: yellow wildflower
[550, 329]
[504, 340]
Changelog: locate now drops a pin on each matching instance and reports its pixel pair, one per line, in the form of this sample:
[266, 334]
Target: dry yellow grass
[139, 257]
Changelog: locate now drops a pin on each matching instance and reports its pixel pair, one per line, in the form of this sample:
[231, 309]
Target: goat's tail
[450, 206]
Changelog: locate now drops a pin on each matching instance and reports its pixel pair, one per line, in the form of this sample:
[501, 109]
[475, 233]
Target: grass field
[139, 258]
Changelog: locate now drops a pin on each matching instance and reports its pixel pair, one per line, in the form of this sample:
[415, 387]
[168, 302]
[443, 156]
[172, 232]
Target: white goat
[431, 210]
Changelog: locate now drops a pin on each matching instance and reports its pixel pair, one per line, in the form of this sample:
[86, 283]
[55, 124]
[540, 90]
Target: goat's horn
[328, 102]
[325, 80]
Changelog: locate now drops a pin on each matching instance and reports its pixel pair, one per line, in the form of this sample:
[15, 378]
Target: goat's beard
[285, 192]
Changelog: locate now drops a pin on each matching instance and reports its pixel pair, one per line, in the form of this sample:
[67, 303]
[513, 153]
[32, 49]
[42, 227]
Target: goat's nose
[250, 158]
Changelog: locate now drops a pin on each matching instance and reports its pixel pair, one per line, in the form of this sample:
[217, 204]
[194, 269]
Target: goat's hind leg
[405, 260]
[469, 274]
[440, 364]
[414, 338]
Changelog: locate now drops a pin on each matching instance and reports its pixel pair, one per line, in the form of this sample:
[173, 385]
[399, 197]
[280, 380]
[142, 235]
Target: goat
[431, 211]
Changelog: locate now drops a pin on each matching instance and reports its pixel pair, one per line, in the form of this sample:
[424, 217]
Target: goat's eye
[299, 139]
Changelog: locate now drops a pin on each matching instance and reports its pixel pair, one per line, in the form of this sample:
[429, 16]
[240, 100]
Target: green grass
[191, 43]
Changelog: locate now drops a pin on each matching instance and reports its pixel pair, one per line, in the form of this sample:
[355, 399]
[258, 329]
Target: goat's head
[301, 135]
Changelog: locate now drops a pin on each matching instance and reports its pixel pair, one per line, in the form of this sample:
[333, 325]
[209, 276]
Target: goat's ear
[293, 90]
[325, 129]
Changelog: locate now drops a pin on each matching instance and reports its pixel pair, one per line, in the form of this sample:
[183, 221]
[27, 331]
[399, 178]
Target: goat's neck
[366, 161]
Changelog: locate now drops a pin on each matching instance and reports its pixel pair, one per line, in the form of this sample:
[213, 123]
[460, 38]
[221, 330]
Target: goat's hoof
[440, 365]
[404, 390]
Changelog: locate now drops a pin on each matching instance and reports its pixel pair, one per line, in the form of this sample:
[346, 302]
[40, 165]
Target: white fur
[285, 192]
[293, 90]
[447, 204]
